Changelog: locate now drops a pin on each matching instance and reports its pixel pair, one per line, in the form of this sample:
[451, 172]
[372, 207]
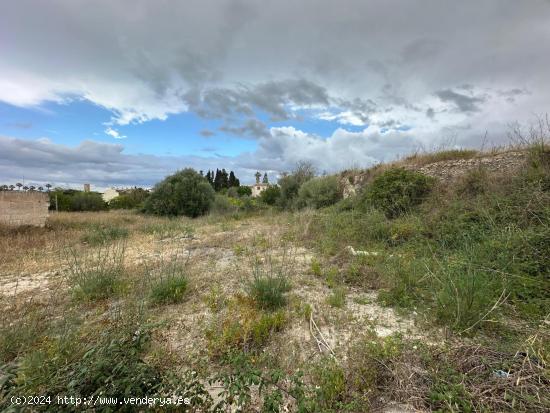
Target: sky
[122, 93]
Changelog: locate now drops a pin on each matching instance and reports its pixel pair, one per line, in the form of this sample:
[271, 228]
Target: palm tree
[48, 186]
[12, 187]
[19, 185]
[25, 188]
[40, 188]
[32, 187]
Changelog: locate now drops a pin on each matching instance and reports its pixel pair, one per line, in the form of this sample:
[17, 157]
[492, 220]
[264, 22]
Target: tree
[19, 185]
[224, 179]
[48, 186]
[217, 180]
[233, 181]
[40, 188]
[12, 187]
[25, 188]
[183, 193]
[290, 183]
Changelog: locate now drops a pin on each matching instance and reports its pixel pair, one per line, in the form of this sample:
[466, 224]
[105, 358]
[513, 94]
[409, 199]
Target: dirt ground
[220, 256]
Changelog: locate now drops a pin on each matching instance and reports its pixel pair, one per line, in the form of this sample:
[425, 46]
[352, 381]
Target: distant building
[259, 187]
[86, 187]
[110, 193]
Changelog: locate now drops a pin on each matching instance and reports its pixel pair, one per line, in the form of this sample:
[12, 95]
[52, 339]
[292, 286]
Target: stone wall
[23, 208]
[446, 171]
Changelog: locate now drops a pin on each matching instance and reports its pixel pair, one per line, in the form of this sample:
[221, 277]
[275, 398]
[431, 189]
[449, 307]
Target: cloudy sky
[123, 92]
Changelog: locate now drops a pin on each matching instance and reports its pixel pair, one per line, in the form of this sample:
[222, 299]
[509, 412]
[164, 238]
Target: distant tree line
[21, 187]
[221, 179]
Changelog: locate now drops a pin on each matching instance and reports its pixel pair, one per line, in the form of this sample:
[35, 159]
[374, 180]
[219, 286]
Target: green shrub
[319, 192]
[223, 205]
[76, 201]
[184, 193]
[271, 195]
[233, 192]
[243, 327]
[406, 228]
[289, 191]
[130, 199]
[316, 267]
[330, 390]
[244, 191]
[87, 201]
[473, 183]
[268, 292]
[397, 191]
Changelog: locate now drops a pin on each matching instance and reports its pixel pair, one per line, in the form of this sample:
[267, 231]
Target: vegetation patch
[396, 191]
[101, 235]
[268, 293]
[242, 326]
[96, 274]
[337, 298]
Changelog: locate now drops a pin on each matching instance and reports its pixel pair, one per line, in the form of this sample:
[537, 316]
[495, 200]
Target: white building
[110, 193]
[259, 187]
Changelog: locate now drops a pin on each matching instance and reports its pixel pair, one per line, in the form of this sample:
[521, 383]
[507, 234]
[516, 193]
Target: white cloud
[114, 133]
[139, 59]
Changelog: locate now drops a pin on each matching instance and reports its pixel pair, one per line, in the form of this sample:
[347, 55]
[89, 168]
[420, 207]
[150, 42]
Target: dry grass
[421, 159]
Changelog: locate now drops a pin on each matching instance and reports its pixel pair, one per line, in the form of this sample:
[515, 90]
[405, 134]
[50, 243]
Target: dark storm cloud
[463, 103]
[272, 97]
[252, 128]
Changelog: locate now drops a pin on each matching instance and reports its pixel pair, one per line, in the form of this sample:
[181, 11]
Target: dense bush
[319, 192]
[244, 190]
[130, 199]
[397, 190]
[184, 193]
[225, 205]
[271, 195]
[74, 201]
